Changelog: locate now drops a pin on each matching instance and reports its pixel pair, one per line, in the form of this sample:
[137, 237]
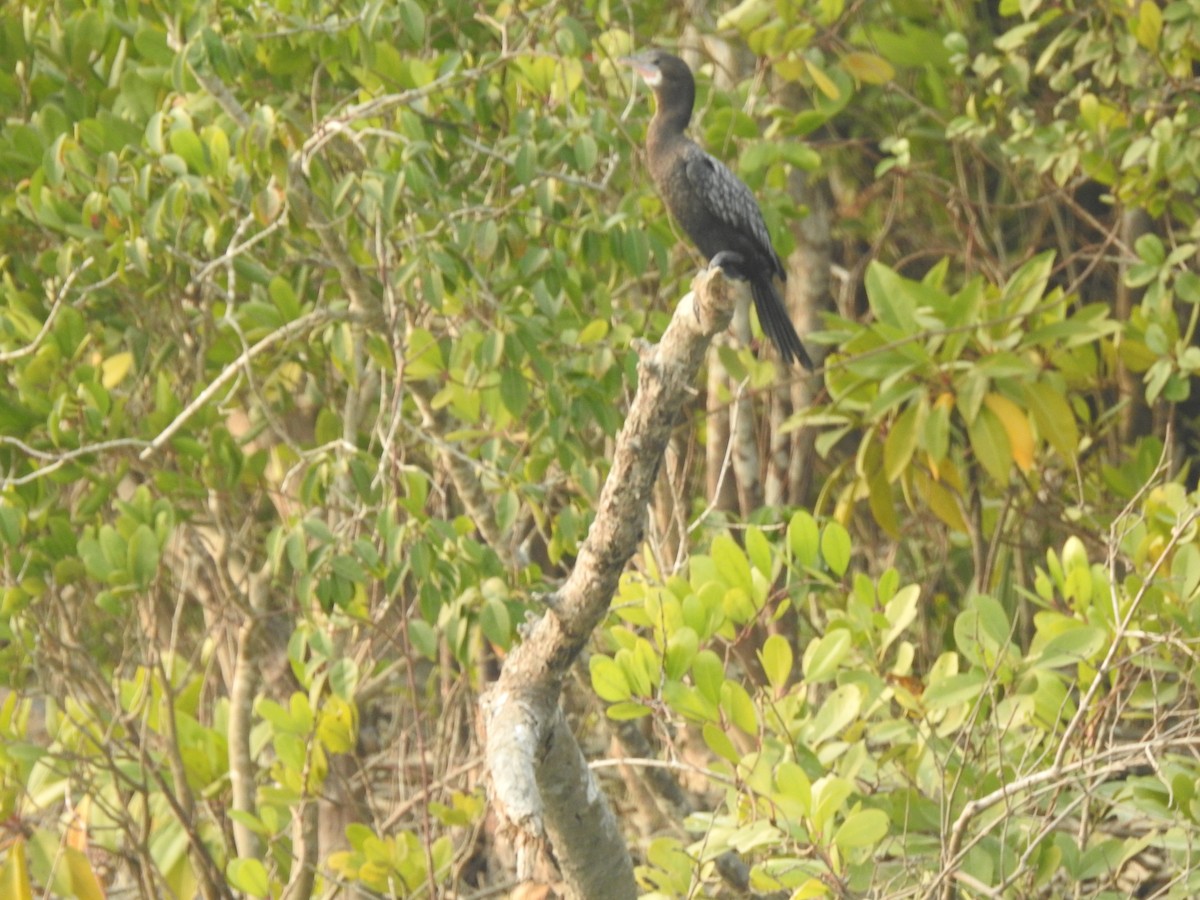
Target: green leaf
[708, 672]
[1078, 644]
[1149, 25]
[889, 295]
[94, 560]
[864, 828]
[423, 356]
[954, 690]
[586, 152]
[143, 555]
[627, 711]
[496, 623]
[336, 727]
[640, 668]
[608, 679]
[412, 22]
[732, 565]
[824, 654]
[682, 647]
[804, 540]
[835, 547]
[348, 568]
[343, 678]
[837, 711]
[10, 525]
[1150, 249]
[791, 781]
[739, 707]
[776, 659]
[868, 68]
[1187, 287]
[249, 876]
[424, 638]
[747, 15]
[719, 743]
[1028, 284]
[799, 155]
[829, 793]
[901, 442]
[982, 631]
[514, 391]
[990, 443]
[900, 612]
[758, 549]
[284, 298]
[594, 332]
[1053, 417]
[187, 145]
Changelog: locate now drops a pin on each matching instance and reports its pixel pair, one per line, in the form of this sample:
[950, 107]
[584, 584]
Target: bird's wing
[728, 198]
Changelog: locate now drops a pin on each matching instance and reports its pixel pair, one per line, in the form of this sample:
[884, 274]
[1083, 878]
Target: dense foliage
[316, 326]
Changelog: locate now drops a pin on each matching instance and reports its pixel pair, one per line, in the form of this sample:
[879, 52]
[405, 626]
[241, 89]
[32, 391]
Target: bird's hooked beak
[650, 73]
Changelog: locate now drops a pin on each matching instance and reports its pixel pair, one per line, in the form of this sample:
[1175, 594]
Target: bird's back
[714, 208]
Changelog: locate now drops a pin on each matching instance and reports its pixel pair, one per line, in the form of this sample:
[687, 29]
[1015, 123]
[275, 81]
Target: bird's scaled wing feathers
[730, 200]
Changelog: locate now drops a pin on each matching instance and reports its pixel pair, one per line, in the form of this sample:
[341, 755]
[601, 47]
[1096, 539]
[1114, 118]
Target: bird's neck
[670, 118]
[667, 127]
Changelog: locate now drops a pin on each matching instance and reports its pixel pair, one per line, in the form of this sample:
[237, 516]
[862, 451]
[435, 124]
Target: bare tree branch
[540, 784]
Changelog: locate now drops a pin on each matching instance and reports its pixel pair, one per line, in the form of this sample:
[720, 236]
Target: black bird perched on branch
[709, 202]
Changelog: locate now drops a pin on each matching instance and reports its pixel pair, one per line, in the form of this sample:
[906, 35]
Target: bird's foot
[732, 263]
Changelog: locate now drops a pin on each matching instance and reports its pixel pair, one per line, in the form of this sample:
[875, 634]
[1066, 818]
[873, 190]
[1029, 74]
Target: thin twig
[287, 331]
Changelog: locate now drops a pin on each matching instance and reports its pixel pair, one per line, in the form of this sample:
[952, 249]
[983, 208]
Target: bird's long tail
[776, 323]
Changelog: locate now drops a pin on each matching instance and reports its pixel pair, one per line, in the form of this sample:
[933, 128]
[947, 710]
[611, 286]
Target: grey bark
[540, 788]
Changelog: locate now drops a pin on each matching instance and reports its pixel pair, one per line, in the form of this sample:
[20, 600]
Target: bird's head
[658, 67]
[667, 75]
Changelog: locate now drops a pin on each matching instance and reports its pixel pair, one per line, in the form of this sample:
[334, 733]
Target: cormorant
[710, 203]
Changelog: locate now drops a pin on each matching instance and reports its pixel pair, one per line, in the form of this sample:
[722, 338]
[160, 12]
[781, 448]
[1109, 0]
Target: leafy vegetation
[317, 325]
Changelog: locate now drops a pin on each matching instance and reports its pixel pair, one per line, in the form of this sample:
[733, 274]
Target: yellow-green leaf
[1016, 426]
[594, 332]
[423, 356]
[862, 829]
[337, 726]
[837, 711]
[719, 743]
[746, 15]
[608, 679]
[776, 658]
[829, 793]
[1149, 25]
[248, 876]
[824, 654]
[835, 547]
[739, 707]
[823, 82]
[621, 712]
[901, 443]
[1054, 419]
[114, 369]
[708, 673]
[941, 501]
[14, 876]
[868, 68]
[810, 890]
[990, 443]
[84, 883]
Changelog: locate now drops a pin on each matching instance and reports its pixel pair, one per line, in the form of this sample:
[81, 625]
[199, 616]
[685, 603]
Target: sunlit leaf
[1016, 427]
[776, 658]
[862, 829]
[868, 68]
[989, 440]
